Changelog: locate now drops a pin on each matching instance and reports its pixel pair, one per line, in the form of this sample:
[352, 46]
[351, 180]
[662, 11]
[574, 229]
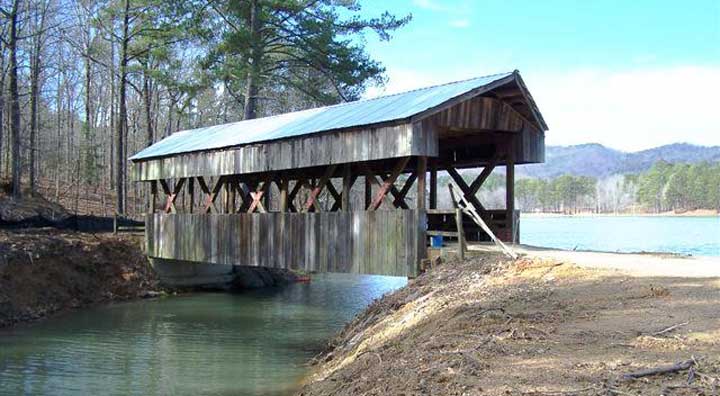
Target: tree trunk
[2, 100]
[112, 114]
[15, 104]
[148, 112]
[89, 162]
[34, 97]
[122, 113]
[251, 81]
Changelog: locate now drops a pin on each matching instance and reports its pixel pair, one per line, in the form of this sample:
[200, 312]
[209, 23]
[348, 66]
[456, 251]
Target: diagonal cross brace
[317, 189]
[171, 195]
[387, 183]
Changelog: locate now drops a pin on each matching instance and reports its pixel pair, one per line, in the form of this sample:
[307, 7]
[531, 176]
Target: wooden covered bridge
[346, 188]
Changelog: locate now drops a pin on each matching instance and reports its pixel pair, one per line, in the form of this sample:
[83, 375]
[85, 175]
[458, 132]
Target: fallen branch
[560, 393]
[680, 366]
[669, 329]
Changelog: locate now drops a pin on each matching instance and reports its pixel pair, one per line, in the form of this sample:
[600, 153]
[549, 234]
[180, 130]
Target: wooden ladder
[462, 204]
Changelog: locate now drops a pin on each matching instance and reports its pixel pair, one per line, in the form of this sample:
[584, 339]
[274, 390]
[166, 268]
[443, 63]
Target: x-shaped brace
[171, 195]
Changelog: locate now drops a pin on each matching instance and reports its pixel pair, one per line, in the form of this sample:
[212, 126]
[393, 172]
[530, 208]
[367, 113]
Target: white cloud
[460, 23]
[628, 110]
[429, 5]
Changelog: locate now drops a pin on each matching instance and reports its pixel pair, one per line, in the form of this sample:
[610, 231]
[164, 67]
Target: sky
[630, 74]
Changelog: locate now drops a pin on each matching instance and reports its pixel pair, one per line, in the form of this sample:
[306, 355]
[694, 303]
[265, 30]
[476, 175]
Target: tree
[300, 46]
[38, 42]
[12, 44]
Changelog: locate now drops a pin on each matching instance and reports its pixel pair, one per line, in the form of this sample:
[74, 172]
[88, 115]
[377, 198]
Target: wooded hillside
[84, 84]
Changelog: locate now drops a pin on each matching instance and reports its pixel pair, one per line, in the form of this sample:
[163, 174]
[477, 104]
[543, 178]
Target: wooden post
[460, 233]
[233, 194]
[421, 239]
[433, 184]
[153, 193]
[191, 193]
[347, 181]
[283, 194]
[267, 197]
[421, 176]
[368, 192]
[227, 187]
[510, 192]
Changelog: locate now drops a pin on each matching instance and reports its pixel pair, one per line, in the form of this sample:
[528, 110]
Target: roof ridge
[352, 102]
[420, 89]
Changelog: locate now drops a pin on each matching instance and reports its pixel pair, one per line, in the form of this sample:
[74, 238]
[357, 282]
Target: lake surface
[697, 236]
[254, 343]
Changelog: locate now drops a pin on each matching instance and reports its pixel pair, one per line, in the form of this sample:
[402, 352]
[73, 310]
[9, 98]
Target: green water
[254, 343]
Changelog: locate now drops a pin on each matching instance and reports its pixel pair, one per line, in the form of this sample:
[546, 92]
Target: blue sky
[628, 74]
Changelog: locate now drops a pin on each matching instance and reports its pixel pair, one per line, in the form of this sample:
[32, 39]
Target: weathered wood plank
[375, 242]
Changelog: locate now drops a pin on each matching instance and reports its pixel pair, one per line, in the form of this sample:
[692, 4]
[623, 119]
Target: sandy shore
[641, 264]
[536, 326]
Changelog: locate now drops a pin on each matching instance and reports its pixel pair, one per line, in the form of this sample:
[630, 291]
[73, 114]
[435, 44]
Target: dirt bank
[45, 271]
[487, 326]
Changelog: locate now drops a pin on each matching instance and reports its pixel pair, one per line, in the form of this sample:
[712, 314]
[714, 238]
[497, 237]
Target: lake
[697, 236]
[251, 343]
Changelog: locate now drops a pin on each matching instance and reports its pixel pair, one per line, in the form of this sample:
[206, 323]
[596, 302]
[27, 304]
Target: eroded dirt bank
[487, 326]
[45, 271]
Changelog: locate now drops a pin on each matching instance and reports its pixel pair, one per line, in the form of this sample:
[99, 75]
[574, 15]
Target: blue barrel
[436, 241]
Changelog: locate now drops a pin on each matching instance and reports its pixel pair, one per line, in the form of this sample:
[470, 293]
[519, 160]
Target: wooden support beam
[283, 184]
[510, 192]
[309, 185]
[465, 189]
[388, 183]
[433, 184]
[153, 195]
[191, 193]
[347, 185]
[317, 189]
[368, 191]
[487, 170]
[246, 200]
[257, 195]
[267, 196]
[233, 194]
[293, 193]
[210, 195]
[171, 195]
[421, 178]
[337, 196]
[460, 233]
[399, 195]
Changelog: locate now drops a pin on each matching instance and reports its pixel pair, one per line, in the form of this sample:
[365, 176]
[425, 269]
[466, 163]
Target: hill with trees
[598, 161]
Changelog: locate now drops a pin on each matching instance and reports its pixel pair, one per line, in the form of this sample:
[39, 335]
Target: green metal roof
[345, 115]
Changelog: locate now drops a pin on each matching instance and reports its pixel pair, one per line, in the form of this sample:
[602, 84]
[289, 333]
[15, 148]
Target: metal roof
[345, 115]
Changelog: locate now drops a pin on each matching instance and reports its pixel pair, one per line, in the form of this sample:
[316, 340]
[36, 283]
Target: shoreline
[47, 272]
[694, 213]
[533, 326]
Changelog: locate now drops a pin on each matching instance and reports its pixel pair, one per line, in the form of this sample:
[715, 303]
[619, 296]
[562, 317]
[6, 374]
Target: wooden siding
[372, 242]
[483, 120]
[304, 152]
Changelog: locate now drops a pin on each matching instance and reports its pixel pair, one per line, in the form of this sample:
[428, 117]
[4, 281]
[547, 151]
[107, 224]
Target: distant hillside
[599, 161]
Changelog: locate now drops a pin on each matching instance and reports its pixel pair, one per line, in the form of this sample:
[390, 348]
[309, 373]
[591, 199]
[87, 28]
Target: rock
[257, 277]
[151, 294]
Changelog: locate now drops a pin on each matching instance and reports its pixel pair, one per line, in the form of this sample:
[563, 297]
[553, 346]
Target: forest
[85, 84]
[664, 187]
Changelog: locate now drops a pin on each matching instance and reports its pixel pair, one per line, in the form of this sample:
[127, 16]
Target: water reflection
[253, 343]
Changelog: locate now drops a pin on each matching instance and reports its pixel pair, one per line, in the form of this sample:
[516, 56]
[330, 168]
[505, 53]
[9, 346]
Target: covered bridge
[216, 212]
